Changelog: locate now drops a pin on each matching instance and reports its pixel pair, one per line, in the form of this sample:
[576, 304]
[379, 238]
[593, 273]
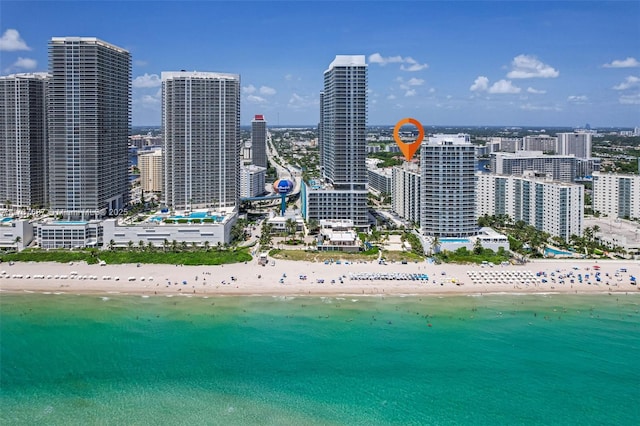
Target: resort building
[201, 124]
[66, 234]
[150, 165]
[405, 191]
[23, 140]
[259, 141]
[89, 117]
[550, 206]
[342, 193]
[252, 180]
[616, 195]
[447, 191]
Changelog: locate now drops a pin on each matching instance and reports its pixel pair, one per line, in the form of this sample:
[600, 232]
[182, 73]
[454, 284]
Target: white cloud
[25, 64]
[377, 58]
[149, 100]
[623, 63]
[288, 77]
[503, 87]
[299, 102]
[480, 84]
[578, 99]
[11, 41]
[249, 89]
[432, 90]
[256, 99]
[535, 91]
[140, 63]
[413, 65]
[531, 107]
[415, 81]
[630, 99]
[527, 66]
[391, 97]
[410, 93]
[266, 90]
[147, 80]
[628, 83]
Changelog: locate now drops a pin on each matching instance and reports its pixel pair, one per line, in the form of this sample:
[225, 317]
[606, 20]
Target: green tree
[477, 246]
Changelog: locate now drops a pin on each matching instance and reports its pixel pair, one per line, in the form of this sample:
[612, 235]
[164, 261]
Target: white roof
[88, 40]
[167, 75]
[348, 61]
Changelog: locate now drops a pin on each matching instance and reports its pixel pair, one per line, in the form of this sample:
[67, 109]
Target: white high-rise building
[578, 144]
[447, 202]
[558, 167]
[89, 119]
[201, 125]
[550, 206]
[343, 150]
[616, 195]
[405, 191]
[252, 180]
[259, 141]
[23, 140]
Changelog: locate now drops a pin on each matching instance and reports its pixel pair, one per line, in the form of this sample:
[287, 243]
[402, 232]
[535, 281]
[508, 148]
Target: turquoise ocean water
[490, 360]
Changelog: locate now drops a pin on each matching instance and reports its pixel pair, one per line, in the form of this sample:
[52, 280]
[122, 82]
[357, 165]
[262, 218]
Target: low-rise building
[15, 233]
[338, 235]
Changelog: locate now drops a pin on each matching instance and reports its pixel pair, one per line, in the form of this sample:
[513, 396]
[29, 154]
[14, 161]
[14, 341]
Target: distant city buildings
[23, 140]
[342, 193]
[150, 165]
[558, 167]
[447, 197]
[259, 141]
[89, 115]
[544, 143]
[616, 195]
[550, 206]
[201, 125]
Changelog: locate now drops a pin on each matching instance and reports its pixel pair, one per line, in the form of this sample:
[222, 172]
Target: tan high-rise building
[150, 165]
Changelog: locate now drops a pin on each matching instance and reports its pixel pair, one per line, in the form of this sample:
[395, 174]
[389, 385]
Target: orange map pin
[408, 149]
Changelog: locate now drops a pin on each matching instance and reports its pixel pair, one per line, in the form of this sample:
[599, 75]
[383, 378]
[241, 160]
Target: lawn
[212, 257]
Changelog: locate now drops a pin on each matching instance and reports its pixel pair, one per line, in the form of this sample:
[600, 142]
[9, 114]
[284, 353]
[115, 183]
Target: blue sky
[563, 63]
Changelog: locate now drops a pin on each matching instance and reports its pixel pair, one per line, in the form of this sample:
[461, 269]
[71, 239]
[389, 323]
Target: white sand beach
[284, 277]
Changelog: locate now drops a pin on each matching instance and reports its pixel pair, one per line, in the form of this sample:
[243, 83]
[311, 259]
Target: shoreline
[285, 278]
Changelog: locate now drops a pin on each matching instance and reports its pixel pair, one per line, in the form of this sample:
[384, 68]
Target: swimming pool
[6, 219]
[455, 240]
[555, 252]
[69, 222]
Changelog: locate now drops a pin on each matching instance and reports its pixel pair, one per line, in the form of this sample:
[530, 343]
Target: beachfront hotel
[259, 141]
[616, 195]
[551, 206]
[341, 193]
[89, 117]
[447, 193]
[201, 125]
[23, 140]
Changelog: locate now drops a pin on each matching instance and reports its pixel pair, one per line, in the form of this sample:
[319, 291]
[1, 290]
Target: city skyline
[459, 63]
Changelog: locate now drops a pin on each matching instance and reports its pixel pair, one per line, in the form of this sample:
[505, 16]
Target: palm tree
[130, 244]
[165, 244]
[150, 246]
[141, 245]
[17, 240]
[435, 245]
[174, 245]
[183, 246]
[206, 246]
[112, 245]
[290, 226]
